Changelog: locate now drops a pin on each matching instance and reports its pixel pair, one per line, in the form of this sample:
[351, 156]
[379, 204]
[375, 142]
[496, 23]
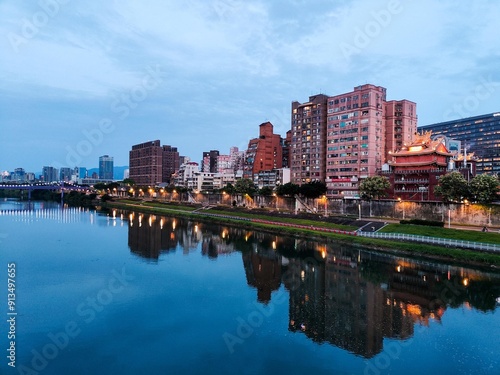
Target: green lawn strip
[170, 206]
[455, 234]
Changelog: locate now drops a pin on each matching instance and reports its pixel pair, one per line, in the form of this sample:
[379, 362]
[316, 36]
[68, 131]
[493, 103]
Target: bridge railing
[481, 246]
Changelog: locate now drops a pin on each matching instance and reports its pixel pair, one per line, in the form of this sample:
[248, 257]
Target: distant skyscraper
[19, 175]
[106, 167]
[80, 172]
[50, 174]
[65, 174]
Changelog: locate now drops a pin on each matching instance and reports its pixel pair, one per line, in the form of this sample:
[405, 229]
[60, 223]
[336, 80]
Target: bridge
[62, 187]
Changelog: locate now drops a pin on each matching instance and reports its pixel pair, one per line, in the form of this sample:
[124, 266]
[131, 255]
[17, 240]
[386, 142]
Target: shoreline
[456, 256]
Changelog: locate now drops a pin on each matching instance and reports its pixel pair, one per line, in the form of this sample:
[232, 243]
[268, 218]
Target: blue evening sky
[88, 78]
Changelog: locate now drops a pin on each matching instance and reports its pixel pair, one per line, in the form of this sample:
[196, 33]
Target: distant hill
[117, 172]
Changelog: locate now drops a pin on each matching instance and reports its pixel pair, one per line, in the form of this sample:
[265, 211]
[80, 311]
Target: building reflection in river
[350, 298]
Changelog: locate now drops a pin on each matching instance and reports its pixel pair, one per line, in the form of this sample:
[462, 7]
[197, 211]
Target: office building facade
[478, 134]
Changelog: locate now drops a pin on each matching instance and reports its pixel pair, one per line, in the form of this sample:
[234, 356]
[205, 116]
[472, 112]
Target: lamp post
[359, 209]
[326, 205]
[403, 205]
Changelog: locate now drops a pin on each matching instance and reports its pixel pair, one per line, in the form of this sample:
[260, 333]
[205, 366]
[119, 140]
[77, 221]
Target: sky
[84, 79]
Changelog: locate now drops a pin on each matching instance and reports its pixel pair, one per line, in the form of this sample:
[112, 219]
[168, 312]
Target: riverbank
[339, 229]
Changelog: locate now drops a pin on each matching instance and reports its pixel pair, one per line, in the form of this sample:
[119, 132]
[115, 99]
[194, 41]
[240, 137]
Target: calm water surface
[130, 293]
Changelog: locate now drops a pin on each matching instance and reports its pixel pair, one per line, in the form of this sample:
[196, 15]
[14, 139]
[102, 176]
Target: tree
[313, 189]
[484, 188]
[229, 188]
[452, 187]
[288, 189]
[266, 190]
[245, 186]
[374, 187]
[129, 182]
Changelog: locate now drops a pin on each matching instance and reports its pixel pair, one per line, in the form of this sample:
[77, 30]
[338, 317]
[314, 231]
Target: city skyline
[84, 80]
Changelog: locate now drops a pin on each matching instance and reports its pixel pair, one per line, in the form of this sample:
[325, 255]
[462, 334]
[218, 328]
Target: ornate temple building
[414, 170]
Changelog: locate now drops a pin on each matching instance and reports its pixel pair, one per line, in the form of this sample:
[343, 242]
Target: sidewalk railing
[482, 246]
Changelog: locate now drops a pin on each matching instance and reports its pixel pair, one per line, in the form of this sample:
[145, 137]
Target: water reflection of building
[332, 302]
[349, 298]
[263, 271]
[150, 235]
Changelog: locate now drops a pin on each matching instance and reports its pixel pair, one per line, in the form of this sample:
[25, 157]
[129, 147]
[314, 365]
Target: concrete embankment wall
[470, 214]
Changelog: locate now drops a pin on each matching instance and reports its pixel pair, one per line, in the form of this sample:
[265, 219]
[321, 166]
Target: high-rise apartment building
[478, 134]
[145, 163]
[105, 167]
[151, 164]
[308, 144]
[264, 153]
[355, 138]
[400, 124]
[209, 161]
[344, 138]
[170, 162]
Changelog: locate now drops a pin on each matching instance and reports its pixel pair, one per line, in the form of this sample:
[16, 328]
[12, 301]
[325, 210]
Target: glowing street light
[403, 205]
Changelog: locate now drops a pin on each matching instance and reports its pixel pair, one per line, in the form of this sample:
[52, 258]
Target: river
[120, 292]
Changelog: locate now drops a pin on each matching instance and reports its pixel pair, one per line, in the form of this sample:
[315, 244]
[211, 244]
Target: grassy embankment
[405, 248]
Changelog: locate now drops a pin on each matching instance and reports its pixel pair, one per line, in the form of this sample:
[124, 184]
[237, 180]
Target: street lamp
[359, 209]
[403, 205]
[326, 205]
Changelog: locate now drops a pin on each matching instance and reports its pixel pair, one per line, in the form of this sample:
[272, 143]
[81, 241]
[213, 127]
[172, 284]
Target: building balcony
[413, 181]
[422, 189]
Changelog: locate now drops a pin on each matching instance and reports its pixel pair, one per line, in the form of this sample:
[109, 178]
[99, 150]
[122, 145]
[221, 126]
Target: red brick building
[264, 153]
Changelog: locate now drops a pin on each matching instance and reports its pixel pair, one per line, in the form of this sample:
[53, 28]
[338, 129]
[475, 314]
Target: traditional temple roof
[423, 144]
[470, 157]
